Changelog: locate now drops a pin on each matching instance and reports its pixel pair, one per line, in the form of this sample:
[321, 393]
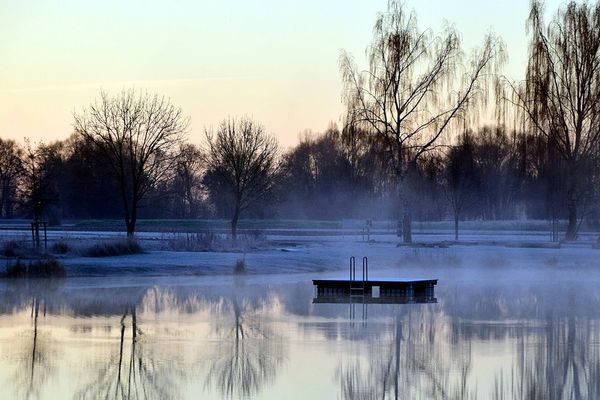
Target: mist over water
[491, 335]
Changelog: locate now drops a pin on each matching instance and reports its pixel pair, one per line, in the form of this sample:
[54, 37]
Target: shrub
[239, 267]
[60, 248]
[117, 248]
[10, 248]
[206, 241]
[43, 268]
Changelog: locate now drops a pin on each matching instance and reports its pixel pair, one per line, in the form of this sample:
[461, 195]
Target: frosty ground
[497, 254]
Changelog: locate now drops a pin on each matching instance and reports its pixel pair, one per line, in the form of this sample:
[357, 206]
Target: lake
[262, 337]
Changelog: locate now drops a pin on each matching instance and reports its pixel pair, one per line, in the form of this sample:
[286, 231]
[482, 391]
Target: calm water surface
[240, 338]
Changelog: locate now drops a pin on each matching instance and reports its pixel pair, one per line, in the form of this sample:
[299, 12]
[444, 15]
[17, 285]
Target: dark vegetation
[406, 150]
[239, 267]
[10, 248]
[41, 268]
[211, 241]
[60, 247]
[202, 241]
[113, 248]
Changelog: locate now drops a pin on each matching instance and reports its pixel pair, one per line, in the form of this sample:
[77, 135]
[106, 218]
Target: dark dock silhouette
[378, 291]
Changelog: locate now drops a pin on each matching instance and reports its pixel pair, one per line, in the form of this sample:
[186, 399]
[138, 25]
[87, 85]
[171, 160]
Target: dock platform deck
[377, 288]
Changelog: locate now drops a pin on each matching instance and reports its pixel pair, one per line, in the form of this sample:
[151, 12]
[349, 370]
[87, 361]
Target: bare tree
[561, 94]
[37, 190]
[415, 86]
[460, 178]
[138, 133]
[245, 157]
[188, 179]
[10, 170]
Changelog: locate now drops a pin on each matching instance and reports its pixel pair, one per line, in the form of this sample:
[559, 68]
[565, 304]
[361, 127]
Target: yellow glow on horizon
[274, 61]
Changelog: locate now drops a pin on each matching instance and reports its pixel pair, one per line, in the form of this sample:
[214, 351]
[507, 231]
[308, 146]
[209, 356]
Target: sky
[276, 61]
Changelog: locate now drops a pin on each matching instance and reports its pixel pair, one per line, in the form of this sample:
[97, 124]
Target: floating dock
[382, 291]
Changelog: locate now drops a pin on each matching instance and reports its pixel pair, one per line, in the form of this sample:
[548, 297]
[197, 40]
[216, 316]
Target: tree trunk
[406, 228]
[456, 226]
[234, 221]
[573, 186]
[130, 225]
[132, 220]
[572, 216]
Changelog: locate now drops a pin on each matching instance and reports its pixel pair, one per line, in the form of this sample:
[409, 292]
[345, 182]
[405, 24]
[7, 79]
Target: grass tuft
[114, 248]
[60, 247]
[239, 267]
[204, 241]
[209, 241]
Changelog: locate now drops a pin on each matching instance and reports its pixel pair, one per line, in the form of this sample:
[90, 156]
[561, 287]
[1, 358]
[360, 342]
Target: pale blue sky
[274, 60]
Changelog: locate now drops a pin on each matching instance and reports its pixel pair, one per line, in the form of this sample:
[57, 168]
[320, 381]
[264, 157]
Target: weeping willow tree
[560, 97]
[417, 84]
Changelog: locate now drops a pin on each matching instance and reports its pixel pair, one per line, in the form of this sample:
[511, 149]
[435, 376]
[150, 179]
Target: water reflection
[561, 361]
[249, 341]
[32, 356]
[411, 361]
[132, 371]
[248, 353]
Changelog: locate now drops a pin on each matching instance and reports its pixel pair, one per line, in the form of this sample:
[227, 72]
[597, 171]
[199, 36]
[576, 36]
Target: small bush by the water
[117, 248]
[44, 268]
[208, 241]
[10, 248]
[60, 247]
[205, 241]
[239, 267]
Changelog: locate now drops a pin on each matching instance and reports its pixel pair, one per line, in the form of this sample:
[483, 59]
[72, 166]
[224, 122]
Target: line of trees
[490, 174]
[411, 146]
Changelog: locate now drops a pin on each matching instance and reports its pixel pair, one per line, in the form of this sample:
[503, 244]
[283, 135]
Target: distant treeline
[489, 174]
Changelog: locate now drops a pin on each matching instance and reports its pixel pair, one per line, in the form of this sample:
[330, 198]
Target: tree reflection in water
[411, 360]
[560, 361]
[33, 360]
[132, 372]
[248, 354]
[521, 343]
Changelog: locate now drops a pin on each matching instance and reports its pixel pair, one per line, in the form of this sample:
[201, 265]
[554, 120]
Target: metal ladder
[357, 288]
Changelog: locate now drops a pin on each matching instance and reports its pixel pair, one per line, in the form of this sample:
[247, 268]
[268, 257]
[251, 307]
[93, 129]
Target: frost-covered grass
[316, 257]
[112, 248]
[283, 251]
[210, 241]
